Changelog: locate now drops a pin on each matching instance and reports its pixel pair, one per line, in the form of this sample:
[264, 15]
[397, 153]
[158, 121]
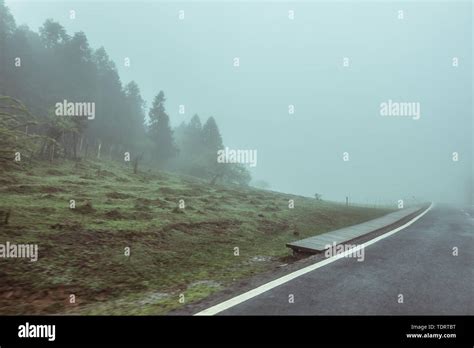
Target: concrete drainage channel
[321, 242]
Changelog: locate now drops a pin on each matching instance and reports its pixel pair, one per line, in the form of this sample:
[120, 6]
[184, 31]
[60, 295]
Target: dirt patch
[143, 215]
[46, 210]
[118, 195]
[49, 189]
[7, 180]
[270, 226]
[69, 226]
[217, 227]
[85, 209]
[115, 214]
[44, 301]
[5, 216]
[139, 202]
[75, 183]
[27, 189]
[97, 238]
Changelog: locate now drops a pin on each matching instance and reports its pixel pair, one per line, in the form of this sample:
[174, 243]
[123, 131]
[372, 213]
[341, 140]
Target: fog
[300, 62]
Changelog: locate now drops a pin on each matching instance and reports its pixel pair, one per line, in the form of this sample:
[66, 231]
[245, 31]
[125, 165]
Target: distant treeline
[42, 70]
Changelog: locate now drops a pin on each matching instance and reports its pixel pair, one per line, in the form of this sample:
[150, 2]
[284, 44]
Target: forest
[41, 72]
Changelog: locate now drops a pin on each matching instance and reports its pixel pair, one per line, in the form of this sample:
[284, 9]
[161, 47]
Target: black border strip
[291, 330]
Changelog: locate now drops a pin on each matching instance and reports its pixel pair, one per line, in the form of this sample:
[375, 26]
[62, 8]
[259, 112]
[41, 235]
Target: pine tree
[7, 28]
[193, 141]
[52, 33]
[136, 106]
[160, 130]
[211, 136]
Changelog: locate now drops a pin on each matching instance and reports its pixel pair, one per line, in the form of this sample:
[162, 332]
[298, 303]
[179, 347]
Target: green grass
[173, 251]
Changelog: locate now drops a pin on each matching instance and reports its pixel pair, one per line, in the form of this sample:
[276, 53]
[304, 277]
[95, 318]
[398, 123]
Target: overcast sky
[299, 62]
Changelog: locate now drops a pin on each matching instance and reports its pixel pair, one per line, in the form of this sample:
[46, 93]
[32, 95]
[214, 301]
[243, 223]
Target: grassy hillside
[174, 251]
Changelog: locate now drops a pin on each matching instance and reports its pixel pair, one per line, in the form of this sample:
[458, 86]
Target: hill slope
[175, 253]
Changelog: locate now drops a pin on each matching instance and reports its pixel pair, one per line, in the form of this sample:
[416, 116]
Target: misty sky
[300, 62]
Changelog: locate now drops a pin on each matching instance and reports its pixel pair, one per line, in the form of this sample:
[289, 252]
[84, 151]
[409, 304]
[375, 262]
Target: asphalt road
[416, 262]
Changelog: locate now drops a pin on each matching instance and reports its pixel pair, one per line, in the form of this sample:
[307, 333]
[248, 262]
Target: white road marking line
[274, 283]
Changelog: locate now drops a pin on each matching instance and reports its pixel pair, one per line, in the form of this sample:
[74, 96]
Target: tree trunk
[74, 144]
[135, 166]
[135, 163]
[80, 144]
[98, 150]
[51, 155]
